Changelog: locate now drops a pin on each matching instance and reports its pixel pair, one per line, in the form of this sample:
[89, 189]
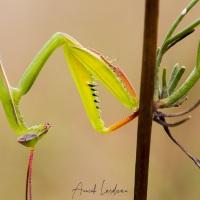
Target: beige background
[73, 152]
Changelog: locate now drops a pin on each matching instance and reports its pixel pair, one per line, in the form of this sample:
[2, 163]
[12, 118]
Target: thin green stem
[167, 41]
[176, 80]
[184, 89]
[164, 93]
[183, 32]
[179, 19]
[173, 74]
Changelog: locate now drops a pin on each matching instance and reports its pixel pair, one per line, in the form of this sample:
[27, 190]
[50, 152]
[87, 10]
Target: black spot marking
[94, 93]
[91, 85]
[93, 89]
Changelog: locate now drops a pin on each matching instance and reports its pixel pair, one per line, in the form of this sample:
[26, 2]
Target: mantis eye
[28, 139]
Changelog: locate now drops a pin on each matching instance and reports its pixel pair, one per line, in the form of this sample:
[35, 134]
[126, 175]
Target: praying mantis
[87, 66]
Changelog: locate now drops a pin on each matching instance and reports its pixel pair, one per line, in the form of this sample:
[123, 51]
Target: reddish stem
[29, 176]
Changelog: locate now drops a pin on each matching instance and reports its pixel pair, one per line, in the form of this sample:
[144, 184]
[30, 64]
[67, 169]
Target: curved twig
[196, 161]
[163, 123]
[161, 114]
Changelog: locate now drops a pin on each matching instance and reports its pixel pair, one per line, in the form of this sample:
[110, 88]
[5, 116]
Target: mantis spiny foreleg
[86, 66]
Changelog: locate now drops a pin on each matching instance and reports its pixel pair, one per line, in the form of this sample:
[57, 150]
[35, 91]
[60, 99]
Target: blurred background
[72, 152]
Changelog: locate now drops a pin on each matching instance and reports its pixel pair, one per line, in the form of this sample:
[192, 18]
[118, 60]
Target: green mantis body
[86, 66]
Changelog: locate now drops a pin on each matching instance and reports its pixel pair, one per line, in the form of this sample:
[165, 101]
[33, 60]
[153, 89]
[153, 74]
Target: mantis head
[31, 138]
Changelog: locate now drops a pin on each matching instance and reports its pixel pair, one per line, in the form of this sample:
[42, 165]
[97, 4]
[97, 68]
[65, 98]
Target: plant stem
[185, 88]
[29, 176]
[169, 39]
[146, 99]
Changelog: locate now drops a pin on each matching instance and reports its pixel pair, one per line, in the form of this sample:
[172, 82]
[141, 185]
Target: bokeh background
[72, 151]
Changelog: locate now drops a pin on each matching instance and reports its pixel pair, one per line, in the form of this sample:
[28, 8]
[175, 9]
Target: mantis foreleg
[86, 66]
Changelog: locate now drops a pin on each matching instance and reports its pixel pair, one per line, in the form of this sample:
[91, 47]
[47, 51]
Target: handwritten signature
[79, 190]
